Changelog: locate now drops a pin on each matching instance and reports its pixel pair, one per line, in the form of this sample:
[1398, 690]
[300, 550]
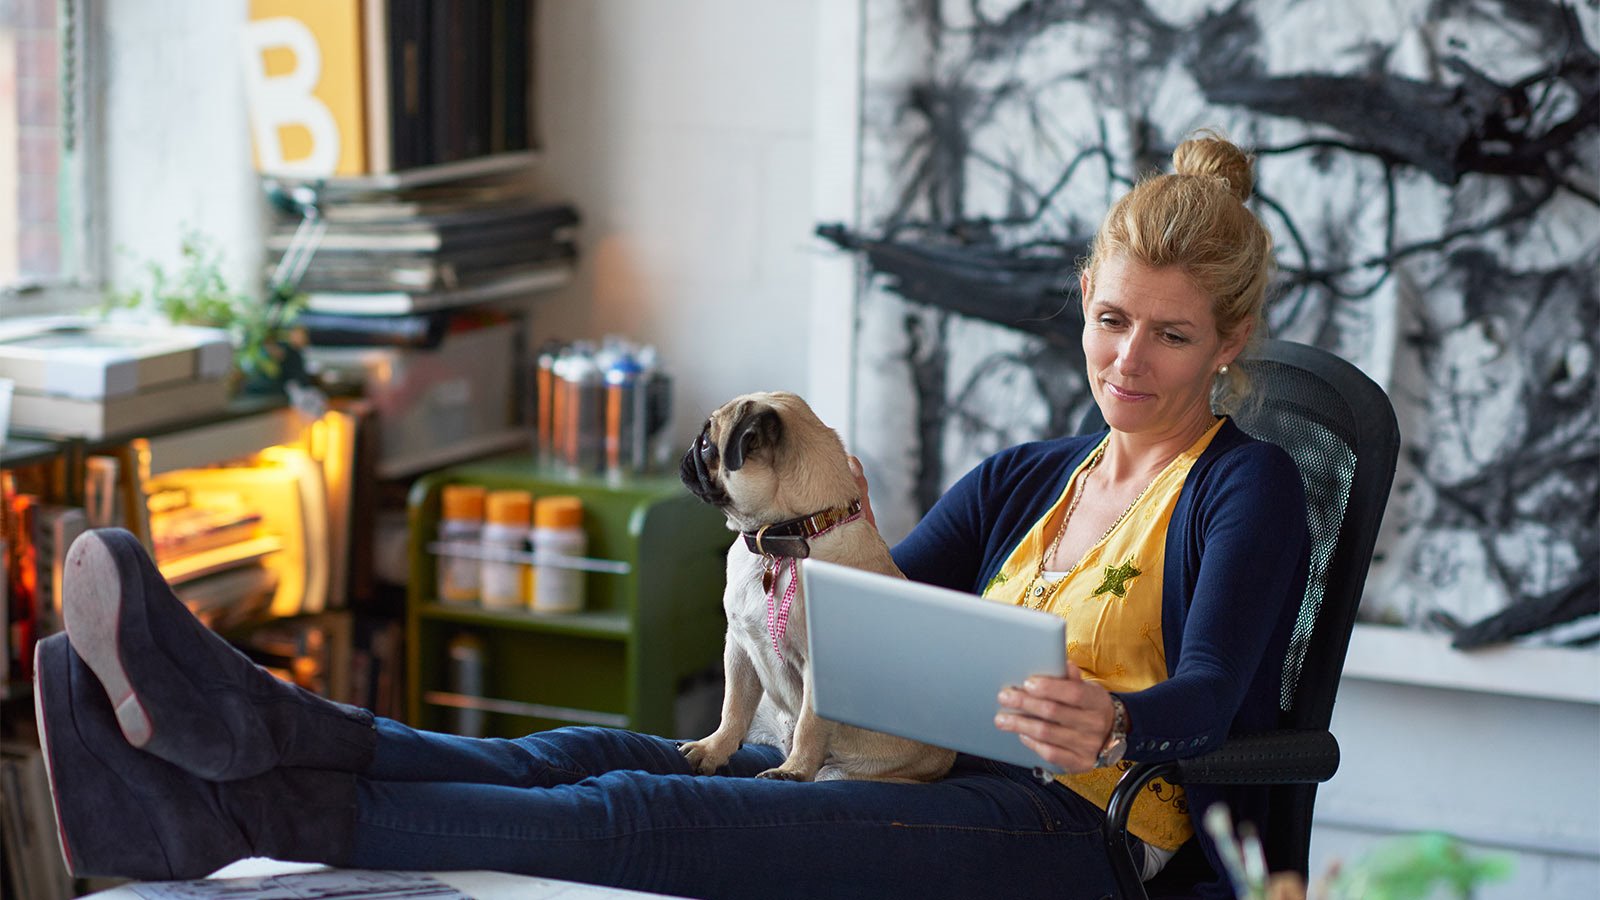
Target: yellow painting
[303, 76]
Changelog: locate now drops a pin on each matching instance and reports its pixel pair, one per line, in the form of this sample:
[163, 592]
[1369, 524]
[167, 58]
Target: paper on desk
[319, 885]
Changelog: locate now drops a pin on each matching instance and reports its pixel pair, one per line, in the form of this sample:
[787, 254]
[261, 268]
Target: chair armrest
[1271, 757]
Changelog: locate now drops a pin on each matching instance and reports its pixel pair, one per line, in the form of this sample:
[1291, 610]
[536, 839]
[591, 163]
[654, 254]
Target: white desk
[479, 885]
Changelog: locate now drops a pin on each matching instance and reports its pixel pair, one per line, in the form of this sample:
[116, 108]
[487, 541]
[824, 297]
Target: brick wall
[30, 118]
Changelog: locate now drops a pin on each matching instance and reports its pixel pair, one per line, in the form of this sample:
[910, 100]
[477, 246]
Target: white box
[88, 359]
[55, 415]
[438, 405]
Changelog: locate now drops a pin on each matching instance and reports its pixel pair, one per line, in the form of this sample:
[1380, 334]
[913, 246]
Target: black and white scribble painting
[1429, 169]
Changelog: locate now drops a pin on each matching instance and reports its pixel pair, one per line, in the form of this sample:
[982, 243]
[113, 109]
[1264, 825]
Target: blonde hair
[1195, 219]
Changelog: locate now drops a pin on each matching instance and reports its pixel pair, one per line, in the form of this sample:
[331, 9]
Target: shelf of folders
[538, 598]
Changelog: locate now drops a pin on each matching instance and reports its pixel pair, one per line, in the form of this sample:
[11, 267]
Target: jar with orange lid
[460, 522]
[507, 515]
[558, 532]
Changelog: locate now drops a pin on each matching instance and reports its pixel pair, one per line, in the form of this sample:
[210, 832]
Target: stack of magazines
[392, 255]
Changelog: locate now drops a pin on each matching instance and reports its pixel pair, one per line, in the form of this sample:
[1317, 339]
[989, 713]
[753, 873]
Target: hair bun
[1212, 154]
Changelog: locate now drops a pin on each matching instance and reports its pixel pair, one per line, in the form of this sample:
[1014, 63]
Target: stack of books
[413, 144]
[78, 376]
[398, 252]
[212, 547]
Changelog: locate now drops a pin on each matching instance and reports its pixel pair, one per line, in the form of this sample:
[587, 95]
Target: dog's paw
[702, 757]
[783, 773]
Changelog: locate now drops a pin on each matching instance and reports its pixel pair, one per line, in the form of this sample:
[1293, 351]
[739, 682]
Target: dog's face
[766, 457]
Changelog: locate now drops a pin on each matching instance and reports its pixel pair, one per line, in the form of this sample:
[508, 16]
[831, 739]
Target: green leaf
[197, 293]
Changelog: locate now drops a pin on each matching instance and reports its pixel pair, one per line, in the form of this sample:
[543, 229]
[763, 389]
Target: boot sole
[39, 702]
[92, 595]
[114, 608]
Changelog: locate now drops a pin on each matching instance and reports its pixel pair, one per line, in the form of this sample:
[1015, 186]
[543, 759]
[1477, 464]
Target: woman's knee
[587, 750]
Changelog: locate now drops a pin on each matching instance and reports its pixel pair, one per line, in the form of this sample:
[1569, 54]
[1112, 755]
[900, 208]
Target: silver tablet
[923, 662]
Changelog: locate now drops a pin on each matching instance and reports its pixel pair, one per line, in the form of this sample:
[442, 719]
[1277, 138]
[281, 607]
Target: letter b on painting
[302, 78]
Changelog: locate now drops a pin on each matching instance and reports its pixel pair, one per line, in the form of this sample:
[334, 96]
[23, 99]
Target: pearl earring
[1223, 370]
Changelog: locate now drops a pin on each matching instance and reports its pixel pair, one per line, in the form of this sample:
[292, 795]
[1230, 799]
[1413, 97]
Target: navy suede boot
[183, 693]
[121, 812]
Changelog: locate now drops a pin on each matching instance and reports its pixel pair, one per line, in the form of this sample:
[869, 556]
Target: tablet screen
[923, 662]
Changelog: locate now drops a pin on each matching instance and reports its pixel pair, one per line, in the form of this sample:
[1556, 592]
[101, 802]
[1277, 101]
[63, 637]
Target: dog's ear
[754, 429]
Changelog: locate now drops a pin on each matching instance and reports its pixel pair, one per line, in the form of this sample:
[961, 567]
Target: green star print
[1117, 578]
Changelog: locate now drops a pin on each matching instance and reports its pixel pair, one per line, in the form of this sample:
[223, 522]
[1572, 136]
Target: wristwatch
[1117, 742]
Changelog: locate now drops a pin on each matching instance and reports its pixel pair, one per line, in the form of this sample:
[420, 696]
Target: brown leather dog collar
[790, 538]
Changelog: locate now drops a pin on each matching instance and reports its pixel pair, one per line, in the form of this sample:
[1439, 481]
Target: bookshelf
[53, 476]
[405, 211]
[20, 452]
[281, 551]
[395, 137]
[643, 634]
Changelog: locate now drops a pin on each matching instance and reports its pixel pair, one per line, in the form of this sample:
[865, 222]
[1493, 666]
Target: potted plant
[197, 293]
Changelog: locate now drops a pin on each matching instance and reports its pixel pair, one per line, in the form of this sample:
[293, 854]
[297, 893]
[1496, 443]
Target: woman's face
[1152, 348]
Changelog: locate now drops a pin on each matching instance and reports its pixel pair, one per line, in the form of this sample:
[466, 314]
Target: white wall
[1498, 747]
[176, 146]
[683, 131]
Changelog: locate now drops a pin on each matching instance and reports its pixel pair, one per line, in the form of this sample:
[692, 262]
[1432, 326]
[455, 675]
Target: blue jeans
[614, 807]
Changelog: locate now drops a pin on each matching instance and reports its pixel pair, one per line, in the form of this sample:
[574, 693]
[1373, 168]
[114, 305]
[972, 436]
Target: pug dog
[783, 479]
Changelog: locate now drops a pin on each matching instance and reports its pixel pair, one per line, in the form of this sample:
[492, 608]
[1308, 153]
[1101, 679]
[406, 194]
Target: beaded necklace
[1040, 593]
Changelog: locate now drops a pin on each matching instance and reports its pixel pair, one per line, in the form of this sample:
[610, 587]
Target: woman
[1173, 545]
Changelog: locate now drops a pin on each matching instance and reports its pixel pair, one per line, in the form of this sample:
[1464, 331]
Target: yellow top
[558, 512]
[462, 501]
[1111, 600]
[509, 507]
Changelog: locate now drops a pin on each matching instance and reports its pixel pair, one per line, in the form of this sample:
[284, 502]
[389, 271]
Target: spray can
[544, 399]
[655, 397]
[580, 402]
[625, 434]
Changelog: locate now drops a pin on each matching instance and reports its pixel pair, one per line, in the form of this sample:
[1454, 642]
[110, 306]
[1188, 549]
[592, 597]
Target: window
[47, 245]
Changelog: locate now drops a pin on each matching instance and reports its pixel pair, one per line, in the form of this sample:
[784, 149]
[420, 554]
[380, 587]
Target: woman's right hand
[1066, 720]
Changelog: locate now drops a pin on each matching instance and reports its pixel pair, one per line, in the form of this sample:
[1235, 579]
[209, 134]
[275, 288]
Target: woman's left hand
[1064, 720]
[860, 475]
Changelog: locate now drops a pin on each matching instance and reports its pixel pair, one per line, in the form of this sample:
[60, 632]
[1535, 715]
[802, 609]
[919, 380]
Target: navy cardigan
[1236, 560]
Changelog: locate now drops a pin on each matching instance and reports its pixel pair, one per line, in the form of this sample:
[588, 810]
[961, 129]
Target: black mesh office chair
[1340, 428]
